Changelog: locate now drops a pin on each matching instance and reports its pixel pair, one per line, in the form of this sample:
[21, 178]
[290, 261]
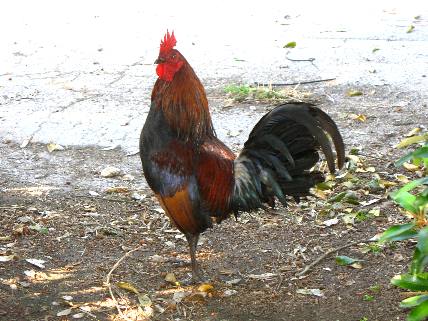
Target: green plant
[413, 197]
[238, 92]
[375, 288]
[368, 297]
[261, 93]
[373, 248]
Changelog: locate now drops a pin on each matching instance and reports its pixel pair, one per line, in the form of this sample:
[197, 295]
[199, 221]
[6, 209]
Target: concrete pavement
[81, 73]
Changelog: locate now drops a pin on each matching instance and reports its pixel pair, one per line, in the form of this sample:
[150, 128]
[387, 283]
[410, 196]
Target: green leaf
[410, 29]
[419, 262]
[375, 49]
[421, 152]
[398, 233]
[413, 301]
[291, 44]
[323, 186]
[41, 229]
[423, 241]
[417, 282]
[420, 255]
[404, 159]
[346, 260]
[336, 198]
[368, 297]
[405, 200]
[419, 313]
[409, 201]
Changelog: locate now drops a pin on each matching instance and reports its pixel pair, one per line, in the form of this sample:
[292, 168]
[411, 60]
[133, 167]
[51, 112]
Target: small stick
[102, 198]
[109, 277]
[322, 257]
[293, 83]
[11, 207]
[409, 294]
[309, 59]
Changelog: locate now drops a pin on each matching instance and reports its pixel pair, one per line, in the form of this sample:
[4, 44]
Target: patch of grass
[373, 248]
[240, 93]
[368, 297]
[375, 288]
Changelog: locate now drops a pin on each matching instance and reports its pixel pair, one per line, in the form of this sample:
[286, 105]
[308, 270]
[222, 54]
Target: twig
[409, 294]
[102, 198]
[309, 59]
[11, 207]
[371, 156]
[109, 277]
[135, 210]
[293, 83]
[322, 257]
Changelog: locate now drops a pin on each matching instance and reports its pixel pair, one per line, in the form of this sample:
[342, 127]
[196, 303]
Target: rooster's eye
[173, 56]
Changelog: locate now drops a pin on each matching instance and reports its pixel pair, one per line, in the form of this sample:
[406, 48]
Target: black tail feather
[279, 153]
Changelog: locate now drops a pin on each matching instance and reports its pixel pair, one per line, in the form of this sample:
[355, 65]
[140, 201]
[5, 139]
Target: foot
[194, 279]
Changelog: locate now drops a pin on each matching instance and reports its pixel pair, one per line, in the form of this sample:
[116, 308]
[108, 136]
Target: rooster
[198, 180]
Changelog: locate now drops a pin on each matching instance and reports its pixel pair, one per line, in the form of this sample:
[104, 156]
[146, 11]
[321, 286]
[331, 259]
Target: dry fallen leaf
[110, 171]
[410, 167]
[402, 178]
[127, 286]
[228, 293]
[36, 262]
[64, 312]
[316, 292]
[413, 132]
[360, 117]
[331, 222]
[170, 277]
[53, 147]
[7, 258]
[353, 93]
[205, 287]
[356, 265]
[78, 315]
[411, 140]
[25, 143]
[179, 296]
[117, 189]
[264, 276]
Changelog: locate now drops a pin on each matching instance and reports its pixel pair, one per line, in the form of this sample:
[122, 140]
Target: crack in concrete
[61, 109]
[123, 72]
[57, 74]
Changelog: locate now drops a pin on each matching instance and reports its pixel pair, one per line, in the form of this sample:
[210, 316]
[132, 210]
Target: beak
[159, 61]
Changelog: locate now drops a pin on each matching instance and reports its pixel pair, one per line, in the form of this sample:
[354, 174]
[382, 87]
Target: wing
[170, 173]
[215, 177]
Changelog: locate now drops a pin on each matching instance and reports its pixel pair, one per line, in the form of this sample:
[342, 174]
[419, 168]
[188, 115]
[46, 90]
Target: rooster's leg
[192, 239]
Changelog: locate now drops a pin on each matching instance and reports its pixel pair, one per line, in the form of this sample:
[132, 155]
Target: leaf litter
[348, 181]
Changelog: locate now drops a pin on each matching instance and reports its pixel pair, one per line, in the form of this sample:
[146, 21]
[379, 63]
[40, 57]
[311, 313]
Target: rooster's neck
[184, 104]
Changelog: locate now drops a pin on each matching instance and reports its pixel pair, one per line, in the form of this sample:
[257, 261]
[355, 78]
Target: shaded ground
[252, 263]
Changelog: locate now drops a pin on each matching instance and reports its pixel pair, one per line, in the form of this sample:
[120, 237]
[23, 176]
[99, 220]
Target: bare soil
[48, 213]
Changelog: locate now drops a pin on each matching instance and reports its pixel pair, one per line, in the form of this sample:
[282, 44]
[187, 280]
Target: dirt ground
[56, 207]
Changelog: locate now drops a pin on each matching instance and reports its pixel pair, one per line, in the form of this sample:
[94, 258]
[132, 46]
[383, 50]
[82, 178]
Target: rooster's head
[169, 60]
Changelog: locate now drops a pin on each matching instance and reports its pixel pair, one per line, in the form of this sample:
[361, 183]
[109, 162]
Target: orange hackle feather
[184, 104]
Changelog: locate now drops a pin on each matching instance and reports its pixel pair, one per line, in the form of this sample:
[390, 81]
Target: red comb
[168, 42]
